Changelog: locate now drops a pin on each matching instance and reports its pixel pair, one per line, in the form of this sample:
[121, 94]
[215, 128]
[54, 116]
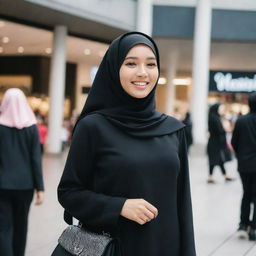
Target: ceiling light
[5, 39]
[162, 80]
[2, 23]
[48, 50]
[182, 81]
[20, 49]
[87, 51]
[1, 49]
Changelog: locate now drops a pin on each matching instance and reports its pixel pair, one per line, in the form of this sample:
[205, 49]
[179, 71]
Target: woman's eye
[130, 64]
[151, 64]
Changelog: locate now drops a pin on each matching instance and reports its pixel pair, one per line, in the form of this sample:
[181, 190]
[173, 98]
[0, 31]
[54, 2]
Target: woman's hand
[39, 197]
[139, 210]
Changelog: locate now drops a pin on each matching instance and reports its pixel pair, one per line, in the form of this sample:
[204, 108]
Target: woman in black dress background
[127, 170]
[20, 171]
[217, 150]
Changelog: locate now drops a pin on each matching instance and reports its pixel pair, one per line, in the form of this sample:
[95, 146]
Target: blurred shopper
[20, 171]
[43, 130]
[188, 129]
[64, 135]
[217, 149]
[244, 144]
[127, 170]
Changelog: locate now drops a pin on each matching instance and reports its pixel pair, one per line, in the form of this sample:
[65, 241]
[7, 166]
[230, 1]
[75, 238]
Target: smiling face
[139, 72]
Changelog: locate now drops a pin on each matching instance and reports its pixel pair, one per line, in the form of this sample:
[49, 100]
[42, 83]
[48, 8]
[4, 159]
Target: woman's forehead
[141, 49]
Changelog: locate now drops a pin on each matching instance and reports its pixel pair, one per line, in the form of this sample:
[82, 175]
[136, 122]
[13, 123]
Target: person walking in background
[127, 169]
[244, 144]
[188, 129]
[20, 171]
[43, 130]
[217, 150]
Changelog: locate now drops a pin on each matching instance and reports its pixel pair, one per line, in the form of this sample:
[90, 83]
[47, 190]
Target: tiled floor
[216, 211]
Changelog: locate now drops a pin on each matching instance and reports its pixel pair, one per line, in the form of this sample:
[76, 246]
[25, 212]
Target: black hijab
[214, 109]
[214, 121]
[107, 97]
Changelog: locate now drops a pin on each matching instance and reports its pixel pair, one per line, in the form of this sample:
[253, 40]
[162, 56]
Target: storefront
[31, 75]
[232, 89]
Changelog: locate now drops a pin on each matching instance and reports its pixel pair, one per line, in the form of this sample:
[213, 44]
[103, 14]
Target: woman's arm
[187, 245]
[75, 190]
[36, 160]
[235, 136]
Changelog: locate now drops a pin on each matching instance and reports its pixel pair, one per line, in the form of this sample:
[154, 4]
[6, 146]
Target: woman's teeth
[140, 83]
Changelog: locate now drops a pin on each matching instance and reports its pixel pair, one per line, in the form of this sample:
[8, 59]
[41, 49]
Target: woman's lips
[140, 85]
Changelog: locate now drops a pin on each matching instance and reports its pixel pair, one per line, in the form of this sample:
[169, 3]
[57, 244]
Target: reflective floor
[216, 211]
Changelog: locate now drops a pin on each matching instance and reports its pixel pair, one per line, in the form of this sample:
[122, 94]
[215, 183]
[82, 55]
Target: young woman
[127, 169]
[20, 171]
[217, 150]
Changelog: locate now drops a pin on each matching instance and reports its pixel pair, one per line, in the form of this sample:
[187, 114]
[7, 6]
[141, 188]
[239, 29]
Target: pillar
[83, 79]
[57, 89]
[200, 70]
[171, 90]
[144, 16]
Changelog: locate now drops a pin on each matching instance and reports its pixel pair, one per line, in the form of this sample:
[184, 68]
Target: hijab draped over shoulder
[15, 110]
[107, 97]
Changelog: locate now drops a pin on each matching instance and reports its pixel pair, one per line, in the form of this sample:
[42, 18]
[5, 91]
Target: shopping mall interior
[25, 53]
[27, 31]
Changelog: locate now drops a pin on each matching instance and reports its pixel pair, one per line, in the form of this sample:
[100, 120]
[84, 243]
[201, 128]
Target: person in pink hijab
[20, 171]
[15, 110]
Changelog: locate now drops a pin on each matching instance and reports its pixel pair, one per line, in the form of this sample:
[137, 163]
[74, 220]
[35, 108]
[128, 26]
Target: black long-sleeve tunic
[20, 159]
[244, 142]
[106, 166]
[217, 150]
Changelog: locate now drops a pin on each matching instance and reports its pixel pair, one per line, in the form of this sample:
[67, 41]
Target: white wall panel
[216, 4]
[121, 14]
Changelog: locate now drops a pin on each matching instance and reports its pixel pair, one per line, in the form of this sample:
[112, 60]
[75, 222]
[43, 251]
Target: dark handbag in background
[226, 154]
[77, 241]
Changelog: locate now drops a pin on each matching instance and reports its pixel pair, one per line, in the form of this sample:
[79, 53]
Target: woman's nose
[142, 72]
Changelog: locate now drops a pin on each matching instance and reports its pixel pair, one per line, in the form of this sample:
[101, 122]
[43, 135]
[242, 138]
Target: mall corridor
[216, 211]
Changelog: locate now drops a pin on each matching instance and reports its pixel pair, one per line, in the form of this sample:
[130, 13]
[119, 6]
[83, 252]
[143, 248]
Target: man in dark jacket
[244, 144]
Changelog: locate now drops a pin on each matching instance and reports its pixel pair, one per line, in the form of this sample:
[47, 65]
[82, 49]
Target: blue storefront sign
[232, 81]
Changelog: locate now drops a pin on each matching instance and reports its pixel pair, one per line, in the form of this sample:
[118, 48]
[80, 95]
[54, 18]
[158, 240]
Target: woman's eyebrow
[134, 58]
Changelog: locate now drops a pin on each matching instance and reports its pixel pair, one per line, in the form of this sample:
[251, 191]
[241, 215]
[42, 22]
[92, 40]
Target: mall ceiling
[27, 40]
[30, 13]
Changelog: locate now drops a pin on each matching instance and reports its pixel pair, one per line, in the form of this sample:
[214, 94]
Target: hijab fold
[15, 110]
[136, 116]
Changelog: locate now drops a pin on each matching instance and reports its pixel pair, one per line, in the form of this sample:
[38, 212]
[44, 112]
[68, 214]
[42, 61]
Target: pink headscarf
[15, 110]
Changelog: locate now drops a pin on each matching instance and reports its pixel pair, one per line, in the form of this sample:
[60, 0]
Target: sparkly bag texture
[81, 242]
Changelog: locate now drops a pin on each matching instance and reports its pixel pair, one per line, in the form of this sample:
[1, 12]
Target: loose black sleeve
[75, 191]
[36, 160]
[185, 215]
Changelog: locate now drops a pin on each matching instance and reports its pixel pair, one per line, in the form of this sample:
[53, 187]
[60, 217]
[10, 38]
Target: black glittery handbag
[77, 241]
